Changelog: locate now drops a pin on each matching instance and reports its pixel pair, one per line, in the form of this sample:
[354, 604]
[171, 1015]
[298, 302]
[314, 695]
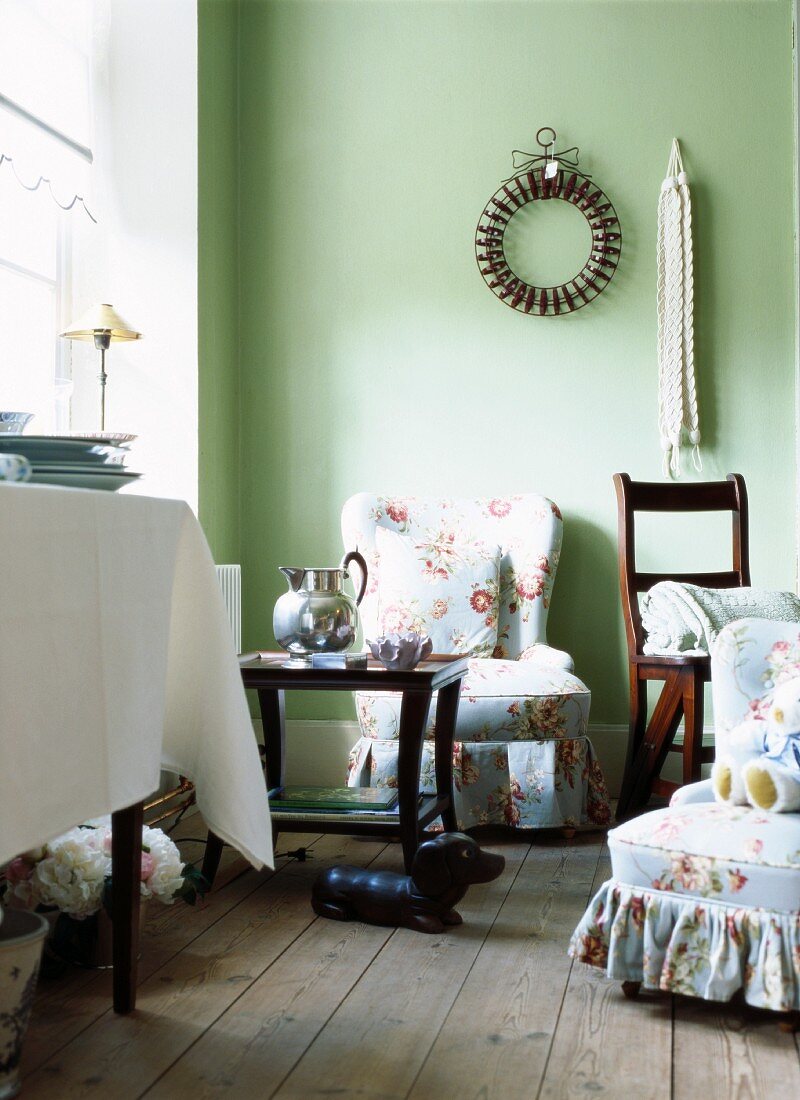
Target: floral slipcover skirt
[703, 900]
[521, 757]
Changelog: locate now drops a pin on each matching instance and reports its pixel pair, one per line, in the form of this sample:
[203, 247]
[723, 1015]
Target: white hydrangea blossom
[71, 874]
[166, 876]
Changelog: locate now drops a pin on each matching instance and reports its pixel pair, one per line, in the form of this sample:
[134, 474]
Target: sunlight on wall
[142, 255]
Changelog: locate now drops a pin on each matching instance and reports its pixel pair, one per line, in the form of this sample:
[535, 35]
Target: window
[34, 253]
[44, 132]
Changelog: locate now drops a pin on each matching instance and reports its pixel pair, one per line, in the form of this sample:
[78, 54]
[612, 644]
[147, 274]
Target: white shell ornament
[401, 652]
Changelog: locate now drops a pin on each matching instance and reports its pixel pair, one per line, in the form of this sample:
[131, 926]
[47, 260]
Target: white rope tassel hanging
[677, 393]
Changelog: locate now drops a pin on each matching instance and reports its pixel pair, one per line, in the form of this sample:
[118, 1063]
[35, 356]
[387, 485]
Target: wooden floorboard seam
[164, 962]
[172, 915]
[510, 1006]
[166, 1085]
[469, 971]
[672, 1049]
[567, 976]
[334, 1010]
[388, 1031]
[187, 1052]
[92, 977]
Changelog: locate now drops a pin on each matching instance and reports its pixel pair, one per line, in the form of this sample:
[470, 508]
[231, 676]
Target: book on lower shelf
[320, 818]
[327, 799]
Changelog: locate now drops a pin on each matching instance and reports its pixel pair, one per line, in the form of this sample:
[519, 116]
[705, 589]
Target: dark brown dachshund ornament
[443, 868]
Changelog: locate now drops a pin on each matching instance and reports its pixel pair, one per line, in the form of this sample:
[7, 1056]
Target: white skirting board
[316, 751]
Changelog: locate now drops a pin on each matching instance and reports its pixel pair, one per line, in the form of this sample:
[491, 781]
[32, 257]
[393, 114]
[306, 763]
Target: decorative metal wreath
[539, 178]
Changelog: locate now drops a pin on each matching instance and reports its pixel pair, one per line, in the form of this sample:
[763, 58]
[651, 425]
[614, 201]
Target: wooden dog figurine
[442, 870]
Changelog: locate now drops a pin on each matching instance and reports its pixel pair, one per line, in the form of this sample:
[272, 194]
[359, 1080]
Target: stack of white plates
[77, 461]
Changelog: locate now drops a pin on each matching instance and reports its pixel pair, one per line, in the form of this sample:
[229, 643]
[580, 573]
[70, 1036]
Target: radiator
[230, 581]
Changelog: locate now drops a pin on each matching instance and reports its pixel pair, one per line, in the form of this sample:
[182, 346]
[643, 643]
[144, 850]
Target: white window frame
[61, 286]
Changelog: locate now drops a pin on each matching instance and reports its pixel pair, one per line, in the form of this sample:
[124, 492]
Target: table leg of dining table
[126, 875]
[414, 711]
[273, 724]
[446, 714]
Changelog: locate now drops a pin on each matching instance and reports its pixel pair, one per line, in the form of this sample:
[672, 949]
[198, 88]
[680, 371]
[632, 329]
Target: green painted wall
[372, 356]
[218, 275]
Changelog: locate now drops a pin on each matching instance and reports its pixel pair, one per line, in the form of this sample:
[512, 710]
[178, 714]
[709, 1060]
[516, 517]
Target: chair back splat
[648, 496]
[683, 677]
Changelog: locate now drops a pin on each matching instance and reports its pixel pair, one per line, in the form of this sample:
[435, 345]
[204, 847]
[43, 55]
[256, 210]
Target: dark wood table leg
[126, 874]
[273, 723]
[213, 855]
[414, 711]
[446, 714]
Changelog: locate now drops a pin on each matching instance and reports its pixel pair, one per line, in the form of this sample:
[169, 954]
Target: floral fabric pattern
[704, 899]
[702, 948]
[522, 755]
[527, 784]
[748, 661]
[500, 701]
[447, 591]
[527, 529]
[733, 854]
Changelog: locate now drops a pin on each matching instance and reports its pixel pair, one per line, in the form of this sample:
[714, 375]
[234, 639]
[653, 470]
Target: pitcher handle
[353, 555]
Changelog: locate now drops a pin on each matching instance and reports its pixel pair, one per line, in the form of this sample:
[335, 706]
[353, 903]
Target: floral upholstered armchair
[477, 575]
[704, 899]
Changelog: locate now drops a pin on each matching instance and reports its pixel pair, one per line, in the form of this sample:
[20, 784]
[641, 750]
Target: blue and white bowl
[14, 423]
[15, 468]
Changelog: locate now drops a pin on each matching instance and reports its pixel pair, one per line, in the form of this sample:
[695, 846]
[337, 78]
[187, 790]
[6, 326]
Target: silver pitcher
[316, 615]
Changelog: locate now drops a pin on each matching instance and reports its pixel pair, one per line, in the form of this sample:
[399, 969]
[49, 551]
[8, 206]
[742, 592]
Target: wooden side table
[270, 676]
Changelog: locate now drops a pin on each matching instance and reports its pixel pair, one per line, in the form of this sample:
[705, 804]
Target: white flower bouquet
[73, 872]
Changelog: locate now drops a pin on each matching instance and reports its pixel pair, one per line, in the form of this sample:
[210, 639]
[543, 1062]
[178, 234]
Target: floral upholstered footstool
[704, 898]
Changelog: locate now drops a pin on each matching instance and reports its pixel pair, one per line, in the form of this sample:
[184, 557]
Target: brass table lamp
[103, 325]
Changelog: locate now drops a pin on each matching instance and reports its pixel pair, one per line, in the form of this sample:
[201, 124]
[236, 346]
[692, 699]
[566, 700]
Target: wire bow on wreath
[524, 162]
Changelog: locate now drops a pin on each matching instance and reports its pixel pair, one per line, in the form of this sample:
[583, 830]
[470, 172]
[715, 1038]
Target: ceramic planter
[22, 934]
[88, 943]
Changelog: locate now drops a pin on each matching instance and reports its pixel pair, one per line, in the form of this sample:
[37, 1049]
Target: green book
[333, 798]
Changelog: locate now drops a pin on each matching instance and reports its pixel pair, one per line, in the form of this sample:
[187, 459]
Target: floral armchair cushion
[522, 756]
[500, 701]
[450, 593]
[526, 527]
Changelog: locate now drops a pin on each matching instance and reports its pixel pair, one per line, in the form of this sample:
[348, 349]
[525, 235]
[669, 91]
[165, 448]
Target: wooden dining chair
[683, 677]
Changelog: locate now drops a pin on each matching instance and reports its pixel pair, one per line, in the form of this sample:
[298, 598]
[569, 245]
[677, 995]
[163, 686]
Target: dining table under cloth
[117, 660]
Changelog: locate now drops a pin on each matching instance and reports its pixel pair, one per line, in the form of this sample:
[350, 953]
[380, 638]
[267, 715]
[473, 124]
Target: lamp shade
[101, 319]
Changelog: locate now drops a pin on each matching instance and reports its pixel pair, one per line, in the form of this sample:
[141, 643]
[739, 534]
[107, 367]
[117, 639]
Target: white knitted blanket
[685, 618]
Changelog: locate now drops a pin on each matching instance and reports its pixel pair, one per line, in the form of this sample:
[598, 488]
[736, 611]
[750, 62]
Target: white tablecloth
[116, 658]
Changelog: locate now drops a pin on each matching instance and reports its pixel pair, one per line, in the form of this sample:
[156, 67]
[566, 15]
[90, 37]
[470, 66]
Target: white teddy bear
[761, 763]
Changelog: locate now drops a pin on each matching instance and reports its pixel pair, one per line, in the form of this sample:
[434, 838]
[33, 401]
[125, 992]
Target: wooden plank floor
[253, 996]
